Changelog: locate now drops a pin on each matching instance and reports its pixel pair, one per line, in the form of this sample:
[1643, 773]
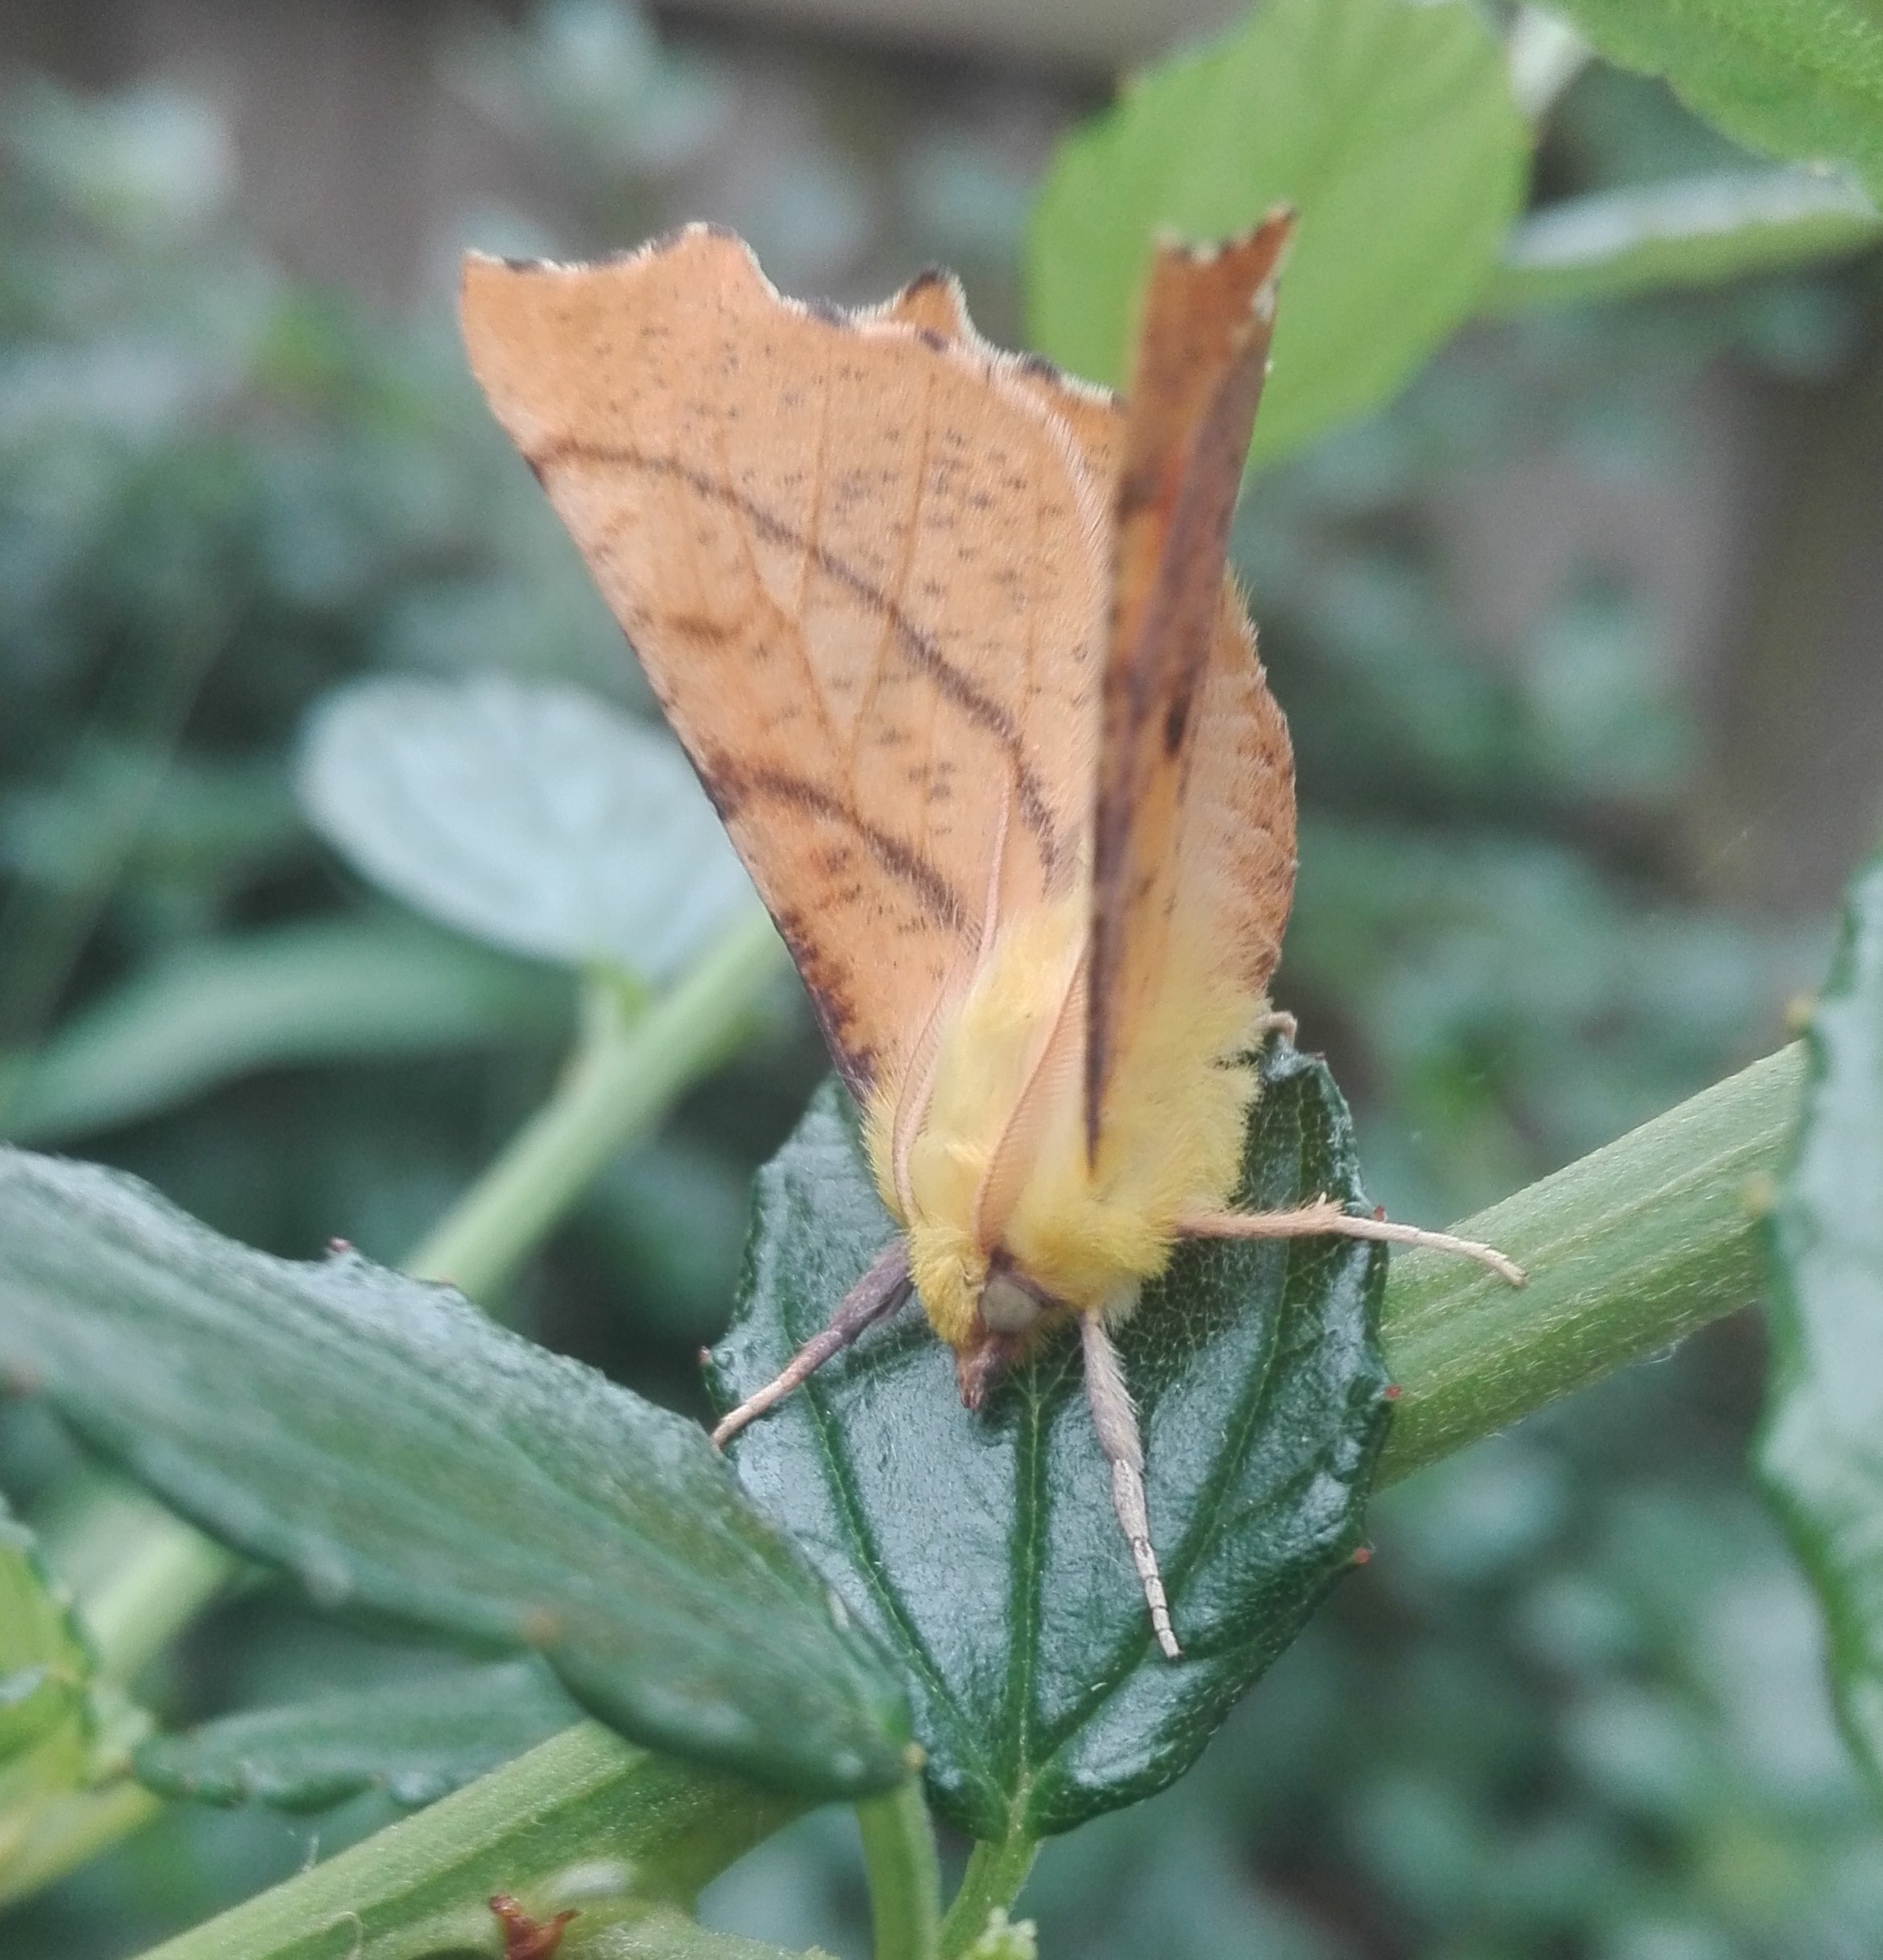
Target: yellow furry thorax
[996, 1162]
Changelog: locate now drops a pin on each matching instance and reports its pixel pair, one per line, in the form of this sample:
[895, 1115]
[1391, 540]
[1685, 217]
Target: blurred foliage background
[1578, 644]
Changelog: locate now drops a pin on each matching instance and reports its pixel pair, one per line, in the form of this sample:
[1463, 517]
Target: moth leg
[1115, 1420]
[1276, 1021]
[880, 1291]
[1324, 1216]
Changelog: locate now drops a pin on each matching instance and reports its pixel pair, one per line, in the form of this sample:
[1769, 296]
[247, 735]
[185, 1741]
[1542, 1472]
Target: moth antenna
[990, 910]
[1012, 1156]
[918, 1079]
[918, 1088]
[1115, 1420]
[878, 1293]
[1324, 1218]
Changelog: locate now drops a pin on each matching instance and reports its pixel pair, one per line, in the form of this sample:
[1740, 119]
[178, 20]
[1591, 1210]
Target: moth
[951, 642]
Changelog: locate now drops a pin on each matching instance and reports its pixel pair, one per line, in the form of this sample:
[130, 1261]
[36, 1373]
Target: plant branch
[993, 1878]
[625, 1075]
[582, 1821]
[1628, 1249]
[904, 1882]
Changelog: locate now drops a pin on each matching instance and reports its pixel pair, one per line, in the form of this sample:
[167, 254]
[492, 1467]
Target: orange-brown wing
[865, 574]
[1194, 801]
[1232, 868]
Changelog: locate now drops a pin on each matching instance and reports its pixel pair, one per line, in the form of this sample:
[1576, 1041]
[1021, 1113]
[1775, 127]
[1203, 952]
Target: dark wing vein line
[731, 786]
[922, 650]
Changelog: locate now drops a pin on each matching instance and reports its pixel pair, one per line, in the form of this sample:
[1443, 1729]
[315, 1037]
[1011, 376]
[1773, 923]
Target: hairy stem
[993, 1878]
[580, 1821]
[1628, 1249]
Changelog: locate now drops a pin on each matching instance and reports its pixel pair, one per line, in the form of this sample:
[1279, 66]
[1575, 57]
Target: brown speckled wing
[864, 569]
[1194, 818]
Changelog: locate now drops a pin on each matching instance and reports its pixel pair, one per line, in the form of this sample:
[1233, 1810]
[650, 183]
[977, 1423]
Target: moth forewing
[860, 570]
[1201, 355]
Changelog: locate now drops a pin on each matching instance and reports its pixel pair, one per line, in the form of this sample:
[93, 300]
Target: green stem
[1628, 1249]
[993, 1878]
[579, 1822]
[62, 1831]
[136, 1572]
[624, 1076]
[905, 1881]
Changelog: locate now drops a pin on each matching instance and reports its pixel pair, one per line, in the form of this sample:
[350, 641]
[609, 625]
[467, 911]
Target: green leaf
[1391, 128]
[539, 819]
[331, 990]
[415, 1740]
[1798, 78]
[983, 1550]
[1690, 231]
[408, 1458]
[1821, 1455]
[145, 815]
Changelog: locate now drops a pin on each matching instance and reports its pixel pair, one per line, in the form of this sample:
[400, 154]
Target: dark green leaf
[983, 1551]
[1799, 78]
[405, 1456]
[1690, 231]
[415, 1740]
[1821, 1453]
[1391, 129]
[539, 819]
[332, 990]
[147, 815]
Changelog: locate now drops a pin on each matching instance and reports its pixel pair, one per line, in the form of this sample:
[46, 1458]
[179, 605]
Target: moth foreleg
[1115, 1420]
[881, 1291]
[1324, 1216]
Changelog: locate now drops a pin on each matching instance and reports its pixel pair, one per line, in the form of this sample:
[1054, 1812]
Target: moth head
[1008, 1313]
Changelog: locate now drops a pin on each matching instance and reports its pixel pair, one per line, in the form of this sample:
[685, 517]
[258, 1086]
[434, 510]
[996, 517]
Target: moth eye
[1006, 1306]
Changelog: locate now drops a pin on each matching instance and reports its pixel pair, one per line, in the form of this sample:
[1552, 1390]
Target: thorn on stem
[525, 1938]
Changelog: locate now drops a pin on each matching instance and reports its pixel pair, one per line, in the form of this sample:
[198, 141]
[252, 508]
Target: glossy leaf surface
[406, 1456]
[415, 1740]
[983, 1551]
[540, 819]
[1391, 129]
[1820, 1455]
